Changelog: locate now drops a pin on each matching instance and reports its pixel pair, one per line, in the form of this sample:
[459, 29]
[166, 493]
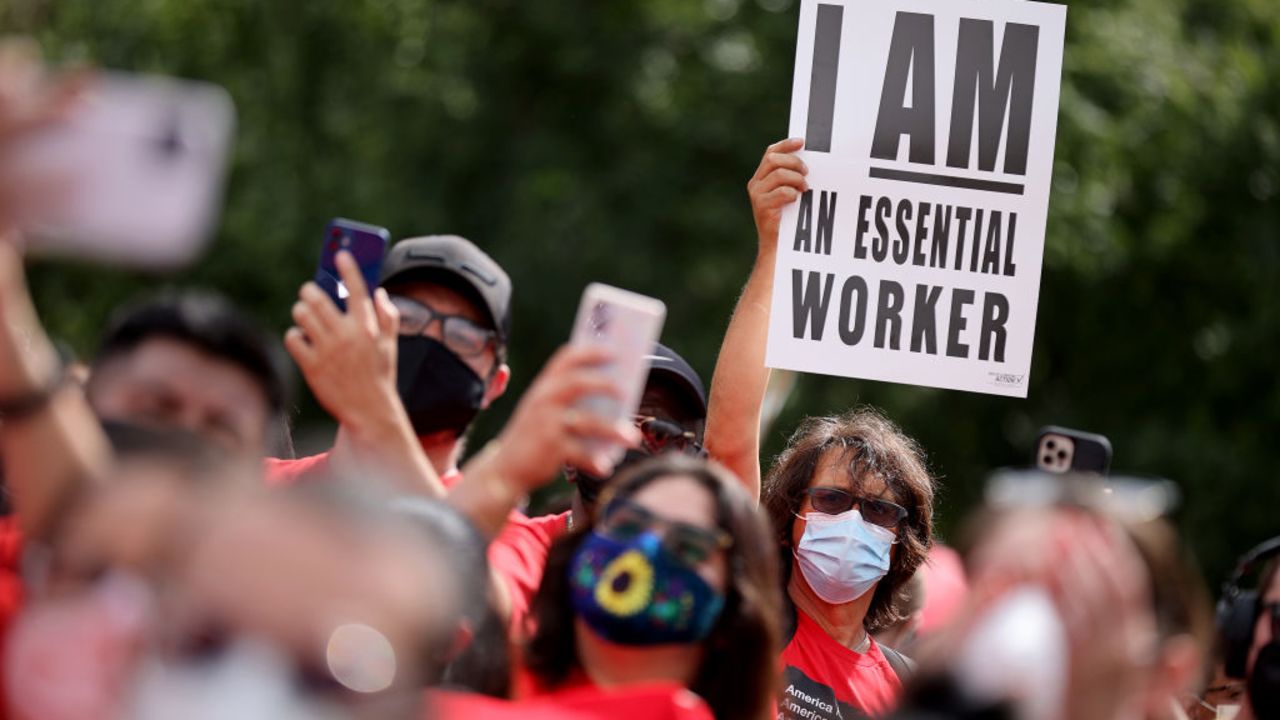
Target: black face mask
[439, 390]
[589, 486]
[1264, 682]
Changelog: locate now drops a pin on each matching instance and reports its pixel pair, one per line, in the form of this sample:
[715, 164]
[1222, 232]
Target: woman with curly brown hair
[850, 499]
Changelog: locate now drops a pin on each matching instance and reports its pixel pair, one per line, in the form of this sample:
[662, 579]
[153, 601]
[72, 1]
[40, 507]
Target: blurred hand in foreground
[1099, 589]
[31, 100]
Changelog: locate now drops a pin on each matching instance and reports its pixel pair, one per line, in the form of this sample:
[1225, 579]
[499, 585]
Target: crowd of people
[164, 555]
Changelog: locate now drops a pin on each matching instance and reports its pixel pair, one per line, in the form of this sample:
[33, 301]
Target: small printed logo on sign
[1007, 379]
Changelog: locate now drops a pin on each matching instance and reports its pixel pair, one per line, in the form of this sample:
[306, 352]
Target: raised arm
[50, 442]
[546, 432]
[349, 361]
[740, 380]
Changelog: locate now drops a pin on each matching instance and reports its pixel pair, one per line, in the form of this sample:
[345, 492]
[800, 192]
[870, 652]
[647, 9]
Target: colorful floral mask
[636, 593]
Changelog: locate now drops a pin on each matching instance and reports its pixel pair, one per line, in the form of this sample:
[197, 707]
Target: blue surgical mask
[843, 556]
[636, 593]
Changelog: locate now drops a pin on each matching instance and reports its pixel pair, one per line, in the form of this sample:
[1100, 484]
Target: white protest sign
[929, 128]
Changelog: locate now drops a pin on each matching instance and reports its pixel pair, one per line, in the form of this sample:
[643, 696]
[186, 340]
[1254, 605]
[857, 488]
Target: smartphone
[366, 243]
[1061, 450]
[135, 172]
[628, 324]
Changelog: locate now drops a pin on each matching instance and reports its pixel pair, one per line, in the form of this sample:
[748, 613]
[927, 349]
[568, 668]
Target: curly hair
[873, 446]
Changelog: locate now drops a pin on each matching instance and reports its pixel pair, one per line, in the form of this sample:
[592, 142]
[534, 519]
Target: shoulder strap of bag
[903, 666]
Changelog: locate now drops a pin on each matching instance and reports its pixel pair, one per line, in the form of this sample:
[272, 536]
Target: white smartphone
[628, 324]
[137, 171]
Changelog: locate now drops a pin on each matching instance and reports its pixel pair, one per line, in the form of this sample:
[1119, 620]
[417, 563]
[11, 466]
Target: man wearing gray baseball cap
[454, 307]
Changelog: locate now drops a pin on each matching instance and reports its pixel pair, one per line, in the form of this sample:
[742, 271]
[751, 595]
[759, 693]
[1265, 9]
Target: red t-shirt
[10, 587]
[10, 570]
[649, 701]
[281, 471]
[519, 556]
[824, 680]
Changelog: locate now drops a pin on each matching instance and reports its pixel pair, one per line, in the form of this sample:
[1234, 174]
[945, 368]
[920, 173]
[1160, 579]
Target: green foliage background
[611, 141]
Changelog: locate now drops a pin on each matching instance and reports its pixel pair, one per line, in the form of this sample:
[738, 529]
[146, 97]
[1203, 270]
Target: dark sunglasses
[833, 501]
[659, 436]
[461, 335]
[692, 545]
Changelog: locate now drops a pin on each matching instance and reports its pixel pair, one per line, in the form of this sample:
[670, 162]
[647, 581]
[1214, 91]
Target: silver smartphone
[628, 324]
[136, 171]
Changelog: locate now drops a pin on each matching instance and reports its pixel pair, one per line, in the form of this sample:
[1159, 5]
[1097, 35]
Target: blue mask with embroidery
[636, 593]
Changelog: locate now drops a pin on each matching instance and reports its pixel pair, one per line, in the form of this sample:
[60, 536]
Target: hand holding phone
[367, 245]
[132, 173]
[348, 358]
[628, 324]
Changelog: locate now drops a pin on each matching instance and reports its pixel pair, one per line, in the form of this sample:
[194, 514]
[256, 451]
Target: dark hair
[484, 666]
[208, 322]
[739, 669]
[874, 447]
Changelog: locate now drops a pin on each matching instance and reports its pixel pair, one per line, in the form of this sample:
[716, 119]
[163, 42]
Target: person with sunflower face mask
[675, 583]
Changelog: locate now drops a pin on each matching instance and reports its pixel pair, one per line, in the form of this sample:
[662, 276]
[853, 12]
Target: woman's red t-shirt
[824, 680]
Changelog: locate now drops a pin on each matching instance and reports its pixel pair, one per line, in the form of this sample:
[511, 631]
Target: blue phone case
[367, 243]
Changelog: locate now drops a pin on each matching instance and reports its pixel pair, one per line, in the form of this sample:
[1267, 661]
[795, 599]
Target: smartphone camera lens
[346, 241]
[1049, 444]
[1062, 454]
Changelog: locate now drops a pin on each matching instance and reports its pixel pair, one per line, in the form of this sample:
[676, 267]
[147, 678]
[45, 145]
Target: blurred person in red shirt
[1080, 609]
[218, 601]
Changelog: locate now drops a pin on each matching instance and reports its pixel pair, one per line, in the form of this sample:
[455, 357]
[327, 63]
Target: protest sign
[915, 255]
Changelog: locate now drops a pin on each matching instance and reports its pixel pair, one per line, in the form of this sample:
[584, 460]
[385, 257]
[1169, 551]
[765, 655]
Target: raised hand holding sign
[935, 122]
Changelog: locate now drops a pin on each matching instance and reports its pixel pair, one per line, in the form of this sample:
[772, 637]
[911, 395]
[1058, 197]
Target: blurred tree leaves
[612, 141]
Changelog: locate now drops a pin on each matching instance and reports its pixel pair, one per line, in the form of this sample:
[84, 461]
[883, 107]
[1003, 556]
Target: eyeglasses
[461, 335]
[833, 501]
[692, 545]
[659, 435]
